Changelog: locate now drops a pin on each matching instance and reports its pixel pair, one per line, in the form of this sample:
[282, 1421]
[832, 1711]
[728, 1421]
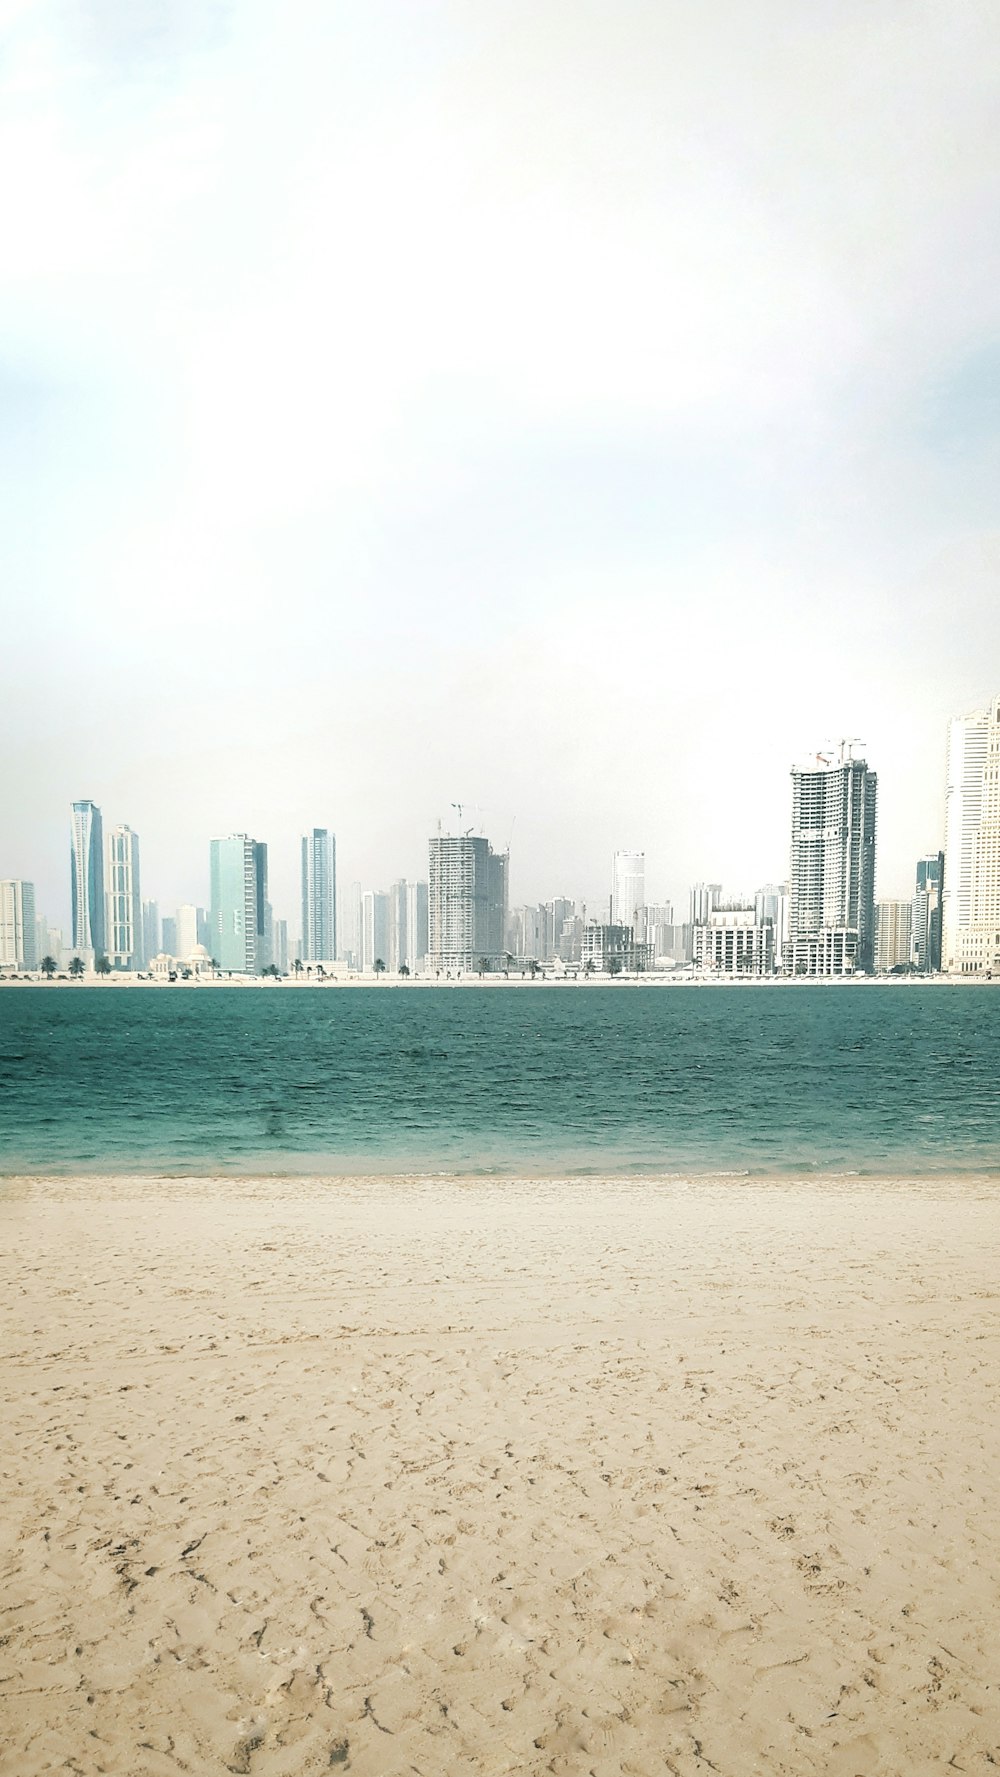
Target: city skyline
[662, 875]
[827, 918]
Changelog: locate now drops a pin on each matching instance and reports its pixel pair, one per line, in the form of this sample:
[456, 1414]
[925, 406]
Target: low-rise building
[612, 949]
[735, 942]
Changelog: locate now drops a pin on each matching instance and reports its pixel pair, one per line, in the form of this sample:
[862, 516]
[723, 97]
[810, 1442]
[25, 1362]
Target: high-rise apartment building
[416, 924]
[18, 946]
[926, 943]
[397, 957]
[831, 897]
[350, 927]
[123, 905]
[705, 897]
[893, 936]
[375, 946]
[87, 878]
[970, 940]
[279, 952]
[191, 928]
[466, 903]
[239, 916]
[319, 896]
[628, 891]
[150, 932]
[771, 902]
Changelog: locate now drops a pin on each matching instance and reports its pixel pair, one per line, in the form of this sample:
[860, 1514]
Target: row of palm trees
[102, 966]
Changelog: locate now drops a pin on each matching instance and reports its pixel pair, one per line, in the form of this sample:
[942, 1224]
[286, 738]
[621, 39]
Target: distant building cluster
[823, 920]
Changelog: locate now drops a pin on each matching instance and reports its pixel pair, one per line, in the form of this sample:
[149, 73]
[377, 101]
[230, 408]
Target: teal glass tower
[238, 868]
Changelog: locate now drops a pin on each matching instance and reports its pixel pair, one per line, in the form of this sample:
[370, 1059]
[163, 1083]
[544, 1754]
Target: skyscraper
[628, 891]
[238, 868]
[374, 929]
[87, 878]
[771, 902]
[279, 952]
[927, 913]
[831, 906]
[416, 923]
[893, 935]
[18, 938]
[466, 902]
[970, 942]
[189, 924]
[397, 956]
[123, 905]
[150, 932]
[319, 896]
[704, 900]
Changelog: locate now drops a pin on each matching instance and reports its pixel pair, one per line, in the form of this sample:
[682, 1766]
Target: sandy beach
[455, 1477]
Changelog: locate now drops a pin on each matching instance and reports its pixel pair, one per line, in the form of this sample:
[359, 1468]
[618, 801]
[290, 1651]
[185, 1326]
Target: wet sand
[473, 1477]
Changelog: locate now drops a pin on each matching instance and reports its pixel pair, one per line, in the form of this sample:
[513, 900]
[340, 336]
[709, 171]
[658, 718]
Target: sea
[865, 1079]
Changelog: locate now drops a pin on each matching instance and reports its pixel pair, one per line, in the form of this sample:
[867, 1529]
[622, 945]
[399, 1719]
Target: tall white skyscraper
[187, 930]
[628, 891]
[397, 927]
[123, 903]
[18, 947]
[375, 934]
[416, 924]
[350, 927]
[319, 896]
[466, 903]
[971, 900]
[704, 901]
[87, 878]
[831, 891]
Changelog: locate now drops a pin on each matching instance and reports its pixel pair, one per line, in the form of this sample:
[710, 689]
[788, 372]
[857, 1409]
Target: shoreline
[324, 1180]
[649, 979]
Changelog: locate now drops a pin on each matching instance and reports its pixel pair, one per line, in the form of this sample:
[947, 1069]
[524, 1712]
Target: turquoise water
[553, 1080]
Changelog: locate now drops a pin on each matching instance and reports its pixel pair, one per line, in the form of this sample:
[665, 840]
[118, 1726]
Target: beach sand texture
[427, 1476]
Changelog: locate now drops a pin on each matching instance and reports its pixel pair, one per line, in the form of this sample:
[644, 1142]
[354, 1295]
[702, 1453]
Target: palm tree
[271, 969]
[48, 966]
[379, 966]
[76, 966]
[404, 969]
[297, 965]
[102, 965]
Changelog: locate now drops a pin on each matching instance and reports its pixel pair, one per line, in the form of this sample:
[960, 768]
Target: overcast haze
[579, 411]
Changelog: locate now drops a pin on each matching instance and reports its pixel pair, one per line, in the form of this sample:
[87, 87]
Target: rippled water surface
[869, 1078]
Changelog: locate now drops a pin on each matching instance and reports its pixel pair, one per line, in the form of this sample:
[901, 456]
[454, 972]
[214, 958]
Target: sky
[575, 410]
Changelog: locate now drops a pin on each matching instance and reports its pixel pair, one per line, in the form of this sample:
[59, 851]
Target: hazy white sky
[577, 410]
